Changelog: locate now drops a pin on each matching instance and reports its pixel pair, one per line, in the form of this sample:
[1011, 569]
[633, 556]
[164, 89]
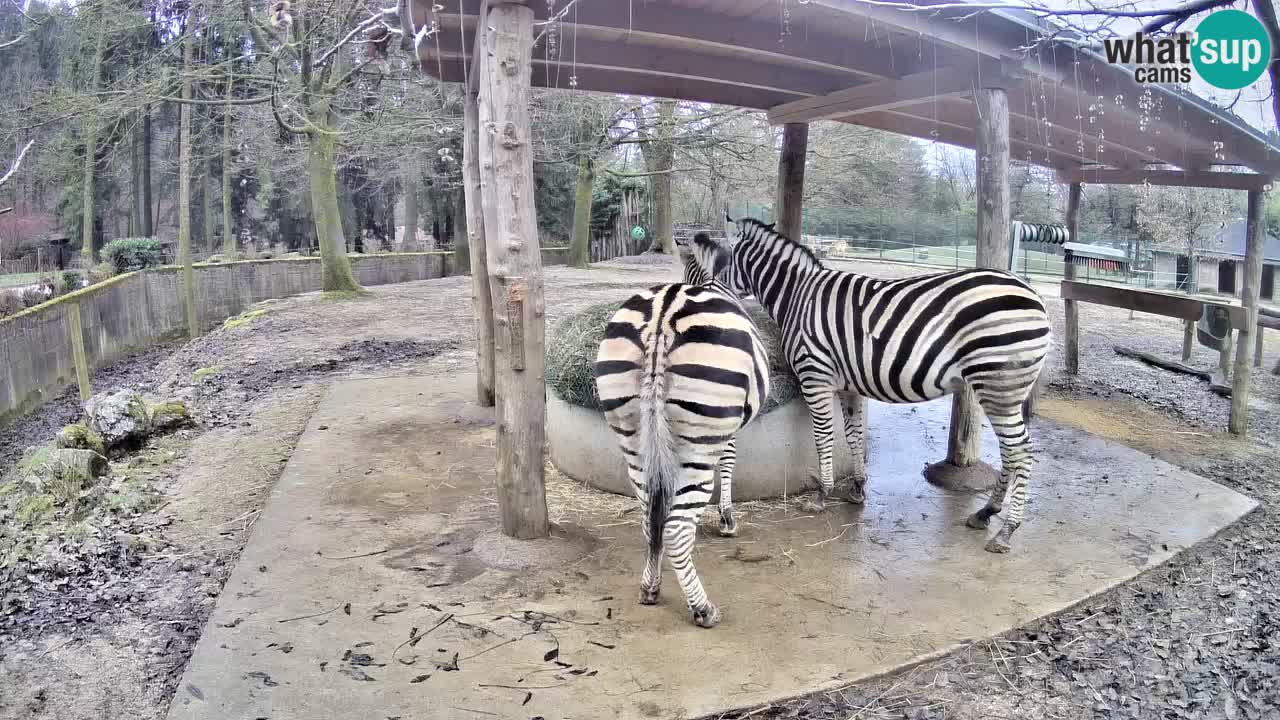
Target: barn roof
[878, 65]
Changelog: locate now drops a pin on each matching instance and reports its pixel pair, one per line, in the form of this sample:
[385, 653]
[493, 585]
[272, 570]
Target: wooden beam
[1071, 349]
[1255, 232]
[481, 297]
[882, 95]
[963, 441]
[1177, 178]
[929, 25]
[896, 121]
[791, 161]
[472, 71]
[515, 268]
[1149, 301]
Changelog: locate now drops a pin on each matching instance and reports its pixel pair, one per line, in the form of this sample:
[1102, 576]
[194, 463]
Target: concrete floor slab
[383, 529]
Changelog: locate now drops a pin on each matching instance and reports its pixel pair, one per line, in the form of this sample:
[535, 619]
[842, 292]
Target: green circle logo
[1232, 49]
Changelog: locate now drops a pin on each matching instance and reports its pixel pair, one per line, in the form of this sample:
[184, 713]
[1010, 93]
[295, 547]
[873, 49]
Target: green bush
[129, 254]
[70, 281]
[33, 296]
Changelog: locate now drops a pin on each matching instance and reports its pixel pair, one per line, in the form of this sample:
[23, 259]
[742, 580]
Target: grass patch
[243, 318]
[573, 343]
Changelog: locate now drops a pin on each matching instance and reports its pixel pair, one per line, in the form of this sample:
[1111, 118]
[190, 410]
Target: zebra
[901, 341]
[680, 370]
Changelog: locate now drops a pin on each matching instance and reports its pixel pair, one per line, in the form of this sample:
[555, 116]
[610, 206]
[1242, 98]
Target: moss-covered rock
[204, 372]
[118, 417]
[573, 343]
[169, 415]
[243, 318]
[80, 436]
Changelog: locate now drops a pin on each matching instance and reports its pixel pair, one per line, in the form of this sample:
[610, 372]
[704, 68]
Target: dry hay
[573, 343]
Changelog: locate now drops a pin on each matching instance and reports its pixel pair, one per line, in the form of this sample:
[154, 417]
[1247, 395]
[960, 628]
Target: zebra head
[705, 260]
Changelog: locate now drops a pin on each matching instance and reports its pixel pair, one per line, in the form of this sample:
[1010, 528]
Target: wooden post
[1224, 357]
[1255, 232]
[1257, 347]
[481, 299]
[76, 332]
[992, 251]
[1071, 346]
[515, 266]
[1188, 338]
[790, 197]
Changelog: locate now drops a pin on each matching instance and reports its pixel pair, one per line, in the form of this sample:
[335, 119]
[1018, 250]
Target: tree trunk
[791, 161]
[335, 266]
[461, 251]
[147, 226]
[184, 187]
[992, 251]
[210, 225]
[515, 268]
[228, 231]
[410, 241]
[579, 246]
[88, 201]
[659, 157]
[481, 297]
[135, 181]
[1255, 233]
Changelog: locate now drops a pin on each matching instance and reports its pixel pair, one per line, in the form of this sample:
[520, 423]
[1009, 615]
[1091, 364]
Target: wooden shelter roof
[908, 72]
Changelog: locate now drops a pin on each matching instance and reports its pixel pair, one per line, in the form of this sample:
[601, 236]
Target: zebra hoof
[858, 493]
[707, 616]
[1000, 543]
[978, 521]
[649, 597]
[728, 524]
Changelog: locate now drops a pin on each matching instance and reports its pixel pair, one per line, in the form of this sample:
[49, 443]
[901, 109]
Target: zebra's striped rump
[680, 370]
[901, 341]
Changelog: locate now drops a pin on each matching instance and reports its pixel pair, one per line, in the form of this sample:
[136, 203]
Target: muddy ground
[1191, 639]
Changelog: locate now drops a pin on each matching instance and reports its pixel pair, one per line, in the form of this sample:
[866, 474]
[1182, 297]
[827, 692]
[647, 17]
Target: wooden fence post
[1188, 338]
[515, 267]
[76, 332]
[1071, 344]
[1255, 232]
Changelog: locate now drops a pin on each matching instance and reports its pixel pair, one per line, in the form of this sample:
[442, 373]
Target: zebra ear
[769, 226]
[720, 259]
[727, 216]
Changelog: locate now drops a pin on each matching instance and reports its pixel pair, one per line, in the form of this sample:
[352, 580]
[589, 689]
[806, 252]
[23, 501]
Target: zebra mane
[767, 232]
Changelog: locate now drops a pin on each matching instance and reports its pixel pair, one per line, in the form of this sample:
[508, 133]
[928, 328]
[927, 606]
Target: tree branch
[1267, 13]
[5, 178]
[1180, 13]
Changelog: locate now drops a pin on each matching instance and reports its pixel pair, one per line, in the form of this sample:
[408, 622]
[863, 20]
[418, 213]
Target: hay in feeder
[574, 341]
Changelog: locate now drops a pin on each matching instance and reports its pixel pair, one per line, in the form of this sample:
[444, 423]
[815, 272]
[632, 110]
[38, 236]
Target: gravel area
[1194, 638]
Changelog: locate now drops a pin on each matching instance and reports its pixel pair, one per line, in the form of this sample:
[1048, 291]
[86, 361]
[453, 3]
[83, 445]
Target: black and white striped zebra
[681, 369]
[901, 341]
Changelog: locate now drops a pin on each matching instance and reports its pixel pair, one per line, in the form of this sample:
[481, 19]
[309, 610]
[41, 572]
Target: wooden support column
[1257, 347]
[481, 299]
[1255, 231]
[515, 266]
[992, 251]
[1188, 338]
[75, 330]
[790, 197]
[1071, 347]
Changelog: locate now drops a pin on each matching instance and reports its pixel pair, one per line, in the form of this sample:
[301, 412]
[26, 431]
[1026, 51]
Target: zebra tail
[656, 448]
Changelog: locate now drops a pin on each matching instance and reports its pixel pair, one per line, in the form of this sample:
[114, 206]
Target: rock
[78, 436]
[118, 417]
[169, 415]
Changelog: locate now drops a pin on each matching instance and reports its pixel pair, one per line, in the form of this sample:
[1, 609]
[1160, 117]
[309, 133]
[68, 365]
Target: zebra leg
[821, 402]
[678, 536]
[728, 525]
[1015, 470]
[854, 408]
[651, 581]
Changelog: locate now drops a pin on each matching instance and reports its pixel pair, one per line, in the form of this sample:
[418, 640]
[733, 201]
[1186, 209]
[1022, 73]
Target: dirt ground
[1195, 638]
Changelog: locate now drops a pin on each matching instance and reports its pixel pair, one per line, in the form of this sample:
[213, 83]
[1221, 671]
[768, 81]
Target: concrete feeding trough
[776, 455]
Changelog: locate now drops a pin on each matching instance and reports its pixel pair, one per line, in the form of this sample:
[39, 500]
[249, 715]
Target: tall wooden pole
[790, 197]
[1255, 232]
[481, 299]
[515, 266]
[992, 251]
[1072, 348]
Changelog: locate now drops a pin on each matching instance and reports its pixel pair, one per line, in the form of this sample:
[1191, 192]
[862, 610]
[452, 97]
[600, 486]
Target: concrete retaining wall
[776, 454]
[134, 311]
